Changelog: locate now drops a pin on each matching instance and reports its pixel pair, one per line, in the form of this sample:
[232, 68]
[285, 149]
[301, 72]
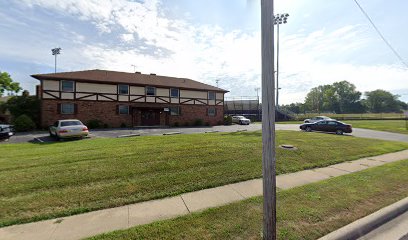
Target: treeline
[342, 97]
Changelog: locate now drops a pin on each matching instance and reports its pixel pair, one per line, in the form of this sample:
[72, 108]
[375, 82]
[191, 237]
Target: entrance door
[150, 117]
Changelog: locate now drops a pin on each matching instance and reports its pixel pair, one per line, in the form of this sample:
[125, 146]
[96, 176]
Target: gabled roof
[113, 77]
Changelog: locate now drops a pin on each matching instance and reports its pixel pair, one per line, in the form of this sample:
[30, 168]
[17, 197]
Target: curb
[129, 135]
[366, 224]
[171, 133]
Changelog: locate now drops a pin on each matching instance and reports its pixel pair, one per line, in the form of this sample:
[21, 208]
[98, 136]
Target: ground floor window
[175, 111]
[67, 108]
[123, 109]
[212, 111]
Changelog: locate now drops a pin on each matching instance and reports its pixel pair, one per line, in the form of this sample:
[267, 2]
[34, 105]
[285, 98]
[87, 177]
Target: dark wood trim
[200, 101]
[188, 100]
[219, 103]
[140, 97]
[102, 95]
[90, 95]
[128, 83]
[52, 95]
[162, 99]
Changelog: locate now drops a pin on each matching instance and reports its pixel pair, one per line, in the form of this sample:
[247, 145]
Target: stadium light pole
[55, 52]
[278, 20]
[268, 120]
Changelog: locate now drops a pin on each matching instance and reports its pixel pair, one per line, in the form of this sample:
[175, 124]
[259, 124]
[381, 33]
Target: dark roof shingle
[104, 76]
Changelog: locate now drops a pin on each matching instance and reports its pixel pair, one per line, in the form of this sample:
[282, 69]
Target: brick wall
[106, 112]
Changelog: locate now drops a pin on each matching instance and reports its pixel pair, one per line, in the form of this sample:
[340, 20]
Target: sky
[208, 40]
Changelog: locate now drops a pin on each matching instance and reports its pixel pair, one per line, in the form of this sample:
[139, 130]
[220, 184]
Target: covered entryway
[150, 117]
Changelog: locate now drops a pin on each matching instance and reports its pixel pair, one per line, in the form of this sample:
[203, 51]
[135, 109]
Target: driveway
[114, 133]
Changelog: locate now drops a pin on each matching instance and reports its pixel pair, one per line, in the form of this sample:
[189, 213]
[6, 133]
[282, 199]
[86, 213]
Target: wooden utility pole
[268, 121]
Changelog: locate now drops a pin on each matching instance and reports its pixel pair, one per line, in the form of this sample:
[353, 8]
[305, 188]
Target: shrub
[186, 124]
[105, 125]
[23, 123]
[220, 122]
[207, 124]
[123, 125]
[176, 124]
[227, 120]
[94, 123]
[198, 122]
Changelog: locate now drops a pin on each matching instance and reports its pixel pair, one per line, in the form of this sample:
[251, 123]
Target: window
[123, 89]
[71, 123]
[123, 109]
[211, 95]
[67, 86]
[150, 91]
[67, 108]
[174, 111]
[212, 111]
[174, 92]
[332, 123]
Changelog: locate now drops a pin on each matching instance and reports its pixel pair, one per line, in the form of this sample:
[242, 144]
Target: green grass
[41, 181]
[306, 212]
[397, 126]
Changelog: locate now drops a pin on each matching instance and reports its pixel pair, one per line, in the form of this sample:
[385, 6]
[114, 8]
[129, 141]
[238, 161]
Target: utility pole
[55, 52]
[268, 120]
[278, 20]
[217, 81]
[257, 108]
[134, 68]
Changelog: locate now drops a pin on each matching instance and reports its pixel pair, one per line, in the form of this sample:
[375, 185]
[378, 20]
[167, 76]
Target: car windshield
[70, 123]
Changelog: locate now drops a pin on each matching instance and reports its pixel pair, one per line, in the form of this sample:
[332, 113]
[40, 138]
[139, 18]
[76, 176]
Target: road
[396, 229]
[36, 137]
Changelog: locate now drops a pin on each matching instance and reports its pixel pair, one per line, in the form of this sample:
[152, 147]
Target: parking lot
[43, 137]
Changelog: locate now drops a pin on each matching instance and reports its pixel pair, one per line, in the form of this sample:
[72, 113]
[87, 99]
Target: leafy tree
[7, 84]
[25, 104]
[339, 97]
[382, 101]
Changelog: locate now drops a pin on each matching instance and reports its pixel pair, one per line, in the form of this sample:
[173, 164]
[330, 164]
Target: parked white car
[69, 128]
[241, 120]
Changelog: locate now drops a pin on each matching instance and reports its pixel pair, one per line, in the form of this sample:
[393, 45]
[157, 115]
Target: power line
[381, 35]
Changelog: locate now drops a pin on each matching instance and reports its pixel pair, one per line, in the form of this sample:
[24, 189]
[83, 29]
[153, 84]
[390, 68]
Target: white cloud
[177, 47]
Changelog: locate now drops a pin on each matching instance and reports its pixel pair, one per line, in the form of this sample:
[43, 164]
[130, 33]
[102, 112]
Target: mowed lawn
[397, 126]
[40, 181]
[307, 212]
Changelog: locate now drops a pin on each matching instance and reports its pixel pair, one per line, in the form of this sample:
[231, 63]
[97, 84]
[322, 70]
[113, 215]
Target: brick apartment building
[131, 99]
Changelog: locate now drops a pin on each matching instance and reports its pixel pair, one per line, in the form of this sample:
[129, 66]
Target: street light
[55, 52]
[278, 20]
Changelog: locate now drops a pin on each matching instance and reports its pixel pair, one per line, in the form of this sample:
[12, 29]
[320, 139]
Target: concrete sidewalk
[97, 222]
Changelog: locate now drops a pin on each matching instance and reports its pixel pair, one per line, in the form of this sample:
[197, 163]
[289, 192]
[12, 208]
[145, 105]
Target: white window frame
[127, 112]
[69, 113]
[62, 86]
[119, 85]
[178, 93]
[147, 87]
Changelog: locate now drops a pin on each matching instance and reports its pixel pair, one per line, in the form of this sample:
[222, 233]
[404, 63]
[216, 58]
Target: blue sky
[323, 42]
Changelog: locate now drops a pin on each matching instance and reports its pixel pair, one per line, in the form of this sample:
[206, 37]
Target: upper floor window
[150, 91]
[123, 89]
[67, 108]
[211, 95]
[174, 92]
[67, 86]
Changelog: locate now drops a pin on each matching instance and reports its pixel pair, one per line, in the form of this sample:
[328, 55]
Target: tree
[339, 97]
[382, 101]
[7, 84]
[25, 104]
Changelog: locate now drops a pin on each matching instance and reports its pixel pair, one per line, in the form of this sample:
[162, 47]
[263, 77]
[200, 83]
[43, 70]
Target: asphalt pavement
[40, 137]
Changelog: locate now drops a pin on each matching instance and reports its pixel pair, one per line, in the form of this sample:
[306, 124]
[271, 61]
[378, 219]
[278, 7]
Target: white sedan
[69, 128]
[241, 120]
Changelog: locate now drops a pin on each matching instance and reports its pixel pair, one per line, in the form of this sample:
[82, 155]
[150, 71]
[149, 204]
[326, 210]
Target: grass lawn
[306, 212]
[397, 126]
[42, 181]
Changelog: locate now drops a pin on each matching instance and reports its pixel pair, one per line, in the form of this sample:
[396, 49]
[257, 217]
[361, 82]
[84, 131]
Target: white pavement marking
[41, 141]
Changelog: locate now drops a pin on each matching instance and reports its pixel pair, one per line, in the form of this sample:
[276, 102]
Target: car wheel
[240, 122]
[339, 132]
[308, 129]
[51, 135]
